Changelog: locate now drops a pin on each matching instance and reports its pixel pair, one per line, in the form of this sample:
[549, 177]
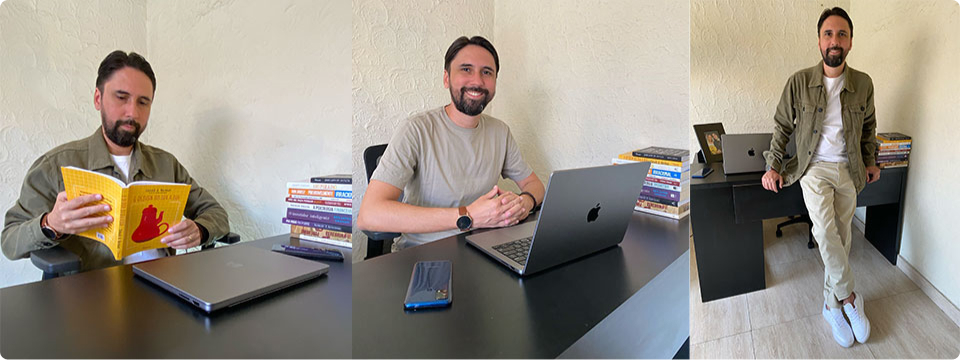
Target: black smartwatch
[464, 222]
[48, 231]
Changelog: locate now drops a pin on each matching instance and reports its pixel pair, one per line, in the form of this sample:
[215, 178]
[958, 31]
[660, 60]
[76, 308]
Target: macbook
[225, 276]
[743, 153]
[584, 211]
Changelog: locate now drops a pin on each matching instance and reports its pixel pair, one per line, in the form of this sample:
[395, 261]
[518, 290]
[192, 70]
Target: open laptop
[584, 211]
[222, 277]
[743, 153]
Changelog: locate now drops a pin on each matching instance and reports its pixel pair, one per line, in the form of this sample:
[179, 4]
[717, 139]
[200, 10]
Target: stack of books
[666, 190]
[321, 209]
[894, 150]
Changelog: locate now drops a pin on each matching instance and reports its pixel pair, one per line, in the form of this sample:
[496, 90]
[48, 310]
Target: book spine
[331, 180]
[663, 214]
[674, 210]
[662, 201]
[320, 201]
[338, 194]
[320, 186]
[889, 137]
[894, 146]
[119, 231]
[322, 240]
[892, 165]
[893, 152]
[320, 217]
[670, 175]
[329, 234]
[322, 208]
[656, 185]
[631, 157]
[666, 181]
[660, 193]
[651, 155]
[317, 225]
[892, 157]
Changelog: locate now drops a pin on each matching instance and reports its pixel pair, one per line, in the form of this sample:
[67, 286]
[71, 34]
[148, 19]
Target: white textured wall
[581, 81]
[398, 49]
[911, 49]
[48, 70]
[249, 94]
[742, 53]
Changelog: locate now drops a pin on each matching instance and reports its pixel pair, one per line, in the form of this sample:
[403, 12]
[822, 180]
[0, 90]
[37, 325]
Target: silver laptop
[222, 277]
[584, 211]
[743, 153]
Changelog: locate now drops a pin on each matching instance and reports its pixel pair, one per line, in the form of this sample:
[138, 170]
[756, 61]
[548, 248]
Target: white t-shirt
[832, 145]
[123, 164]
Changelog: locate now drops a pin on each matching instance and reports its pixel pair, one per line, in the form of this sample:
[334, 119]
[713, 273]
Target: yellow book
[142, 211]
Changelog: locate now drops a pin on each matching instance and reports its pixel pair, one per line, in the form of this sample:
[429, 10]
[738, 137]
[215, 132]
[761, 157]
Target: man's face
[835, 40]
[472, 79]
[124, 105]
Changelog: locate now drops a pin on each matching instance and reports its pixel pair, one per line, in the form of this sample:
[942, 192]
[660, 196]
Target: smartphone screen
[430, 285]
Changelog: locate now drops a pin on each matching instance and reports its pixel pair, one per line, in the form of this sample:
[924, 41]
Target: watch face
[48, 233]
[464, 222]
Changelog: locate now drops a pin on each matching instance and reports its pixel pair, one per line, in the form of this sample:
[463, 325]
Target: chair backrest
[371, 158]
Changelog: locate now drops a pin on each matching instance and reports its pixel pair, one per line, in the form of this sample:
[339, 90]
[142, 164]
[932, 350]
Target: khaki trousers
[831, 198]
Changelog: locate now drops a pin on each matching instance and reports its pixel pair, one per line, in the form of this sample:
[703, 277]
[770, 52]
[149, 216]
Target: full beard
[833, 60]
[468, 106]
[120, 137]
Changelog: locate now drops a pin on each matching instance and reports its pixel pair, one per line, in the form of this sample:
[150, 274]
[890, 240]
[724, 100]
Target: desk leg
[729, 255]
[883, 229]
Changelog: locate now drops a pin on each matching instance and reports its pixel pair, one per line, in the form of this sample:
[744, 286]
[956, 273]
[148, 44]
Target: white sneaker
[858, 319]
[841, 330]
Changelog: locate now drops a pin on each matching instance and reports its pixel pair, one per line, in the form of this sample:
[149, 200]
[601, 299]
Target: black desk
[109, 314]
[727, 214]
[497, 314]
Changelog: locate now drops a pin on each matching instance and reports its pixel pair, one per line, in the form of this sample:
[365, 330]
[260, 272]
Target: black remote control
[309, 252]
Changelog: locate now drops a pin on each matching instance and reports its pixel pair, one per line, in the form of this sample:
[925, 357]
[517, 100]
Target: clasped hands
[82, 213]
[498, 208]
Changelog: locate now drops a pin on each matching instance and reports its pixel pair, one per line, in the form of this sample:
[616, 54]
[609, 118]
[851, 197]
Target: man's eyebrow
[121, 92]
[147, 98]
[488, 68]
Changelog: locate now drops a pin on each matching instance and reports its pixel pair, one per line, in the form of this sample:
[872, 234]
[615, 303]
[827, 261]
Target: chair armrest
[380, 235]
[55, 260]
[230, 238]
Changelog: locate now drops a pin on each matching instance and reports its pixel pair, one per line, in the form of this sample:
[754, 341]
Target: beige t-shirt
[439, 164]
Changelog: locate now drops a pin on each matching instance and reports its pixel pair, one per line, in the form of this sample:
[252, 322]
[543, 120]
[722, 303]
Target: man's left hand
[873, 174]
[184, 235]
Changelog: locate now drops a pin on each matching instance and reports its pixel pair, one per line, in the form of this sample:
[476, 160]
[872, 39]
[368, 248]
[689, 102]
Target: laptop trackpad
[499, 236]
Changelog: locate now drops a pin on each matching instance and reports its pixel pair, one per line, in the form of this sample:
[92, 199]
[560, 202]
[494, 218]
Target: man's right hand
[772, 181]
[488, 211]
[76, 216]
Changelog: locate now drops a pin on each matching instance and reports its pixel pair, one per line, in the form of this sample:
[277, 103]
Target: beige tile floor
[783, 320]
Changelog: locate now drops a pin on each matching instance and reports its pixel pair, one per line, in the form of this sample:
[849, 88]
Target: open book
[142, 211]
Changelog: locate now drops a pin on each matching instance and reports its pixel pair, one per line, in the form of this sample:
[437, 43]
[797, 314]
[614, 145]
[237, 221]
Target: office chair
[57, 261]
[378, 242]
[802, 219]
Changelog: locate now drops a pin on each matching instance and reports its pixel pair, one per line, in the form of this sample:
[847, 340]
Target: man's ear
[97, 98]
[446, 79]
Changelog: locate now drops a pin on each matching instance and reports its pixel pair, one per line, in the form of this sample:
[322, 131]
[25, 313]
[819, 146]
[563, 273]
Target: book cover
[142, 211]
[336, 194]
[629, 157]
[892, 137]
[317, 225]
[333, 179]
[320, 217]
[663, 153]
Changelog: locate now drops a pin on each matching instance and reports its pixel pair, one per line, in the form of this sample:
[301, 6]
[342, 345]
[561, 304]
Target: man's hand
[515, 207]
[772, 181]
[488, 211]
[78, 215]
[184, 235]
[873, 174]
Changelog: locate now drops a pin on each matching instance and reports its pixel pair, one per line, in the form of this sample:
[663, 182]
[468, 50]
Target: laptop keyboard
[516, 250]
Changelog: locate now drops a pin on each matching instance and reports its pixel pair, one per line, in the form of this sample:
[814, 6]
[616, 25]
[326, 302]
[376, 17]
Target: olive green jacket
[800, 112]
[21, 230]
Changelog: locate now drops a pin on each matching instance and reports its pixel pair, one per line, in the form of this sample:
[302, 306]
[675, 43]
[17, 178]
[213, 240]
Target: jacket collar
[817, 78]
[98, 156]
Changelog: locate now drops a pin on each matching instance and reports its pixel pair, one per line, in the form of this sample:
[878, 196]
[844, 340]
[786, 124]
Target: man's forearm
[395, 216]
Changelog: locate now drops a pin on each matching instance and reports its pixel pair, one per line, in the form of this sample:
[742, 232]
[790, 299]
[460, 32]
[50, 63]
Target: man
[447, 161]
[43, 217]
[829, 108]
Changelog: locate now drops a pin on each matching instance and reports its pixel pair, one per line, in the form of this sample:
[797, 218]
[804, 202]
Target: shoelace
[838, 319]
[854, 314]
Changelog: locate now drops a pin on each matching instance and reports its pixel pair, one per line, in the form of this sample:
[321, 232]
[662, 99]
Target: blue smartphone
[430, 285]
[704, 172]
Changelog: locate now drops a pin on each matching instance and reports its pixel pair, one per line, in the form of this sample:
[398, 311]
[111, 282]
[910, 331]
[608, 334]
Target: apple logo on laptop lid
[593, 213]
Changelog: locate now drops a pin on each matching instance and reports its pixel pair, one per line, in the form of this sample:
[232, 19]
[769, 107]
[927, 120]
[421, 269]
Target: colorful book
[654, 163]
[892, 137]
[333, 179]
[337, 194]
[672, 212]
[322, 208]
[892, 157]
[318, 186]
[662, 153]
[663, 201]
[336, 238]
[320, 217]
[317, 225]
[142, 211]
[320, 201]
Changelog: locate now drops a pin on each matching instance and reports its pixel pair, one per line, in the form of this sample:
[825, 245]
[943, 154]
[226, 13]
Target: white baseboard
[859, 224]
[942, 302]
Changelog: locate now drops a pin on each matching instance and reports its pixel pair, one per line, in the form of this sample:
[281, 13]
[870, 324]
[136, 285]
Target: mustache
[130, 122]
[835, 48]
